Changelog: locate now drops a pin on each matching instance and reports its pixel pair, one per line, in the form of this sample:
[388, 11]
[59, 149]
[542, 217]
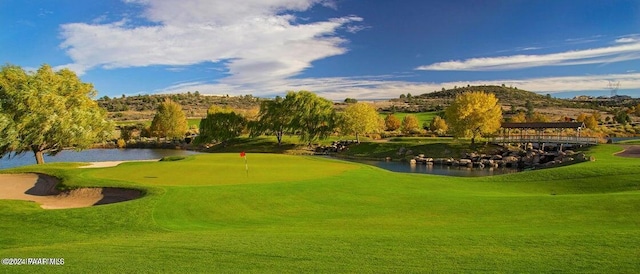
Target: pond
[94, 155]
[436, 168]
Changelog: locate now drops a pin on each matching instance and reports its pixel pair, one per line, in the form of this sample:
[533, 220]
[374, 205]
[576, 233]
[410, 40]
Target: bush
[121, 143]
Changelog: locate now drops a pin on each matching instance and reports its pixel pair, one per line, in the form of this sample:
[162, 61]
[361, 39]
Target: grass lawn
[435, 147]
[423, 117]
[631, 142]
[313, 214]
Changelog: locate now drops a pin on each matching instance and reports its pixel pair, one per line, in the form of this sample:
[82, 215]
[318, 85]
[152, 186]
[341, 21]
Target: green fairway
[423, 117]
[312, 214]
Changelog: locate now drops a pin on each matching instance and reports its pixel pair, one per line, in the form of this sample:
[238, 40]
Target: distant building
[583, 98]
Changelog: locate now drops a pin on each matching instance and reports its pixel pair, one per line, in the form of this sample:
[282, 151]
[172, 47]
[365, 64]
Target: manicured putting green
[227, 169]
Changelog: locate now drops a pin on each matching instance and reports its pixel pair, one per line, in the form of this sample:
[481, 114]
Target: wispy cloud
[584, 40]
[631, 38]
[257, 40]
[356, 28]
[603, 55]
[391, 86]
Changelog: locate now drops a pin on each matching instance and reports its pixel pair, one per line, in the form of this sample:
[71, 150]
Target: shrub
[121, 143]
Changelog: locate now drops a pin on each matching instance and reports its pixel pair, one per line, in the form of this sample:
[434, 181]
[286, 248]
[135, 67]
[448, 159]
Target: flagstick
[246, 166]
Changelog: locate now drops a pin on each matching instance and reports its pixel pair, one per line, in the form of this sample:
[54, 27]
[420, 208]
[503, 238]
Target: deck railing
[545, 139]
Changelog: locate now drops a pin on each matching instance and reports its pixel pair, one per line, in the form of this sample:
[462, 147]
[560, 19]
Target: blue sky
[365, 49]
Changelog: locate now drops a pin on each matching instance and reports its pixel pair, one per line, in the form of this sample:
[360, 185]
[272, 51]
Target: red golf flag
[242, 154]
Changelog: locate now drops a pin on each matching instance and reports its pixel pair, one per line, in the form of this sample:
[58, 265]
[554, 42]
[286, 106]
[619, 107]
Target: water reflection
[436, 168]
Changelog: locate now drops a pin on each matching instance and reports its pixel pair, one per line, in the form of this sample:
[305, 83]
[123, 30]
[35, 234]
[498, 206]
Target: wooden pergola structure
[556, 137]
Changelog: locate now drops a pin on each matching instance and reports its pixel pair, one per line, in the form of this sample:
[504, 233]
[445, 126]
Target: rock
[536, 159]
[487, 162]
[465, 161]
[510, 159]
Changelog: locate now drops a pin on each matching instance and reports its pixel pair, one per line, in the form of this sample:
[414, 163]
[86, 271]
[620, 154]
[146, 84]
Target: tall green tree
[48, 111]
[622, 117]
[313, 117]
[221, 125]
[530, 109]
[473, 114]
[169, 121]
[274, 117]
[360, 118]
[302, 112]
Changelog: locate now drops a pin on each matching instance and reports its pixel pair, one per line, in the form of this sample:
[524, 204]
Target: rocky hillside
[506, 95]
[195, 105]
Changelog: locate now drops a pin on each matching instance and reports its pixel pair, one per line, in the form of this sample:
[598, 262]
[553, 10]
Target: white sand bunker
[41, 189]
[113, 163]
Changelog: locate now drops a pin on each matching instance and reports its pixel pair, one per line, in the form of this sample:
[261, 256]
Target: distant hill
[506, 95]
[143, 107]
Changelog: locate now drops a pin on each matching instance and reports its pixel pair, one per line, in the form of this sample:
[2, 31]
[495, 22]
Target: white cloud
[616, 53]
[626, 40]
[258, 40]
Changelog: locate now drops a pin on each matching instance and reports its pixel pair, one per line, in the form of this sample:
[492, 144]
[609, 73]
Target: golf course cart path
[630, 151]
[41, 189]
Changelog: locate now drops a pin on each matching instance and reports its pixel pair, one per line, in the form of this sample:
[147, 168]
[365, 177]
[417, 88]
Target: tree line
[312, 118]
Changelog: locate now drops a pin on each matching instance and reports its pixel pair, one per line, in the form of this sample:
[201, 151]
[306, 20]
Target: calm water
[94, 155]
[437, 169]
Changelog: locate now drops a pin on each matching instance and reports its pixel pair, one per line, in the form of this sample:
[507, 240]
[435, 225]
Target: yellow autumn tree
[360, 118]
[169, 121]
[581, 117]
[474, 114]
[591, 122]
[392, 123]
[538, 117]
[520, 117]
[439, 125]
[410, 124]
